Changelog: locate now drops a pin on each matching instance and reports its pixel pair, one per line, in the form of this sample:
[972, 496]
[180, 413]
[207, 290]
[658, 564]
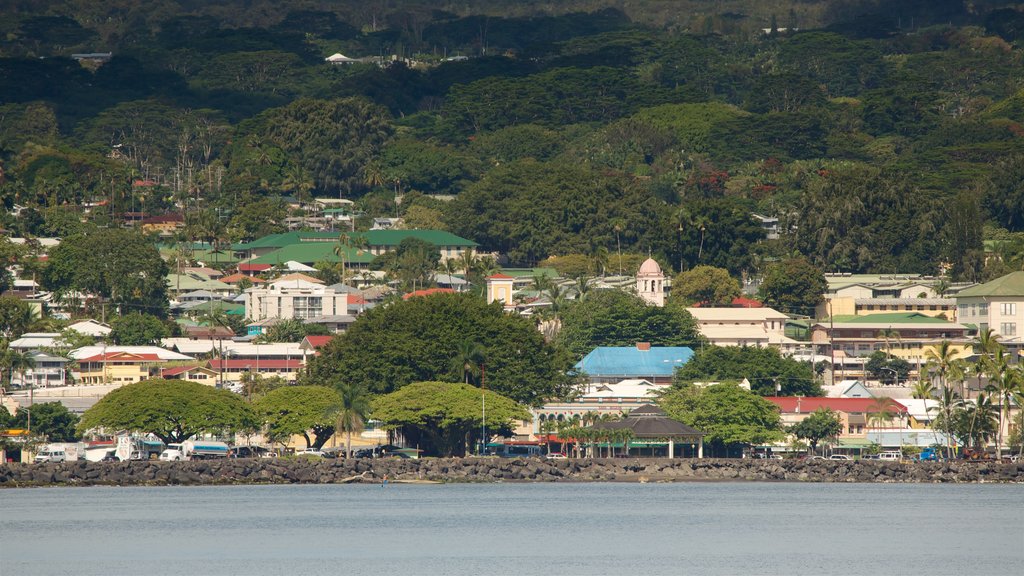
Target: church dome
[649, 268]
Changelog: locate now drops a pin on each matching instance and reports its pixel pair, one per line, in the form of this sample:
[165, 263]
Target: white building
[761, 327]
[97, 330]
[287, 299]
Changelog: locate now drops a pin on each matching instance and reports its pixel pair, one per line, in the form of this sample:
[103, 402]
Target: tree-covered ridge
[880, 145]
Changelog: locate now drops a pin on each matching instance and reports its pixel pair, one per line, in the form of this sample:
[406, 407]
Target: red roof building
[314, 343]
[253, 269]
[251, 364]
[855, 414]
[237, 277]
[427, 292]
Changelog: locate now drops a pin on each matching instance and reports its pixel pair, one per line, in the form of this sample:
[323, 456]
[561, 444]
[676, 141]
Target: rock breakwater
[308, 471]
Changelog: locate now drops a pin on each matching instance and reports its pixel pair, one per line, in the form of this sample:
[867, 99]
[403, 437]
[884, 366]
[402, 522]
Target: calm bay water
[520, 529]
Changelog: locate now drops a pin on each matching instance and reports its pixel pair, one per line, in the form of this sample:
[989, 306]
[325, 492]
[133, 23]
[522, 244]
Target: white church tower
[650, 283]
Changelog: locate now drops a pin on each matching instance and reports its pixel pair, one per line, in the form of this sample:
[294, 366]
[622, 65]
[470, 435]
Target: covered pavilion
[650, 423]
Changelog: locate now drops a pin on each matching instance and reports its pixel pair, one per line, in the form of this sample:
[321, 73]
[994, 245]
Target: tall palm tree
[923, 390]
[941, 359]
[582, 288]
[618, 225]
[600, 260]
[986, 346]
[887, 335]
[882, 411]
[949, 407]
[1004, 384]
[352, 411]
[982, 420]
[343, 250]
[20, 362]
[468, 359]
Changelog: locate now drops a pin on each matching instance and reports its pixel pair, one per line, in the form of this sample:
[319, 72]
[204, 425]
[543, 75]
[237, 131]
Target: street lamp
[895, 374]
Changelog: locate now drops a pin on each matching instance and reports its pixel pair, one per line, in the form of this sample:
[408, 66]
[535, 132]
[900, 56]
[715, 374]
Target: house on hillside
[94, 328]
[164, 225]
[300, 299]
[232, 369]
[48, 370]
[117, 368]
[200, 374]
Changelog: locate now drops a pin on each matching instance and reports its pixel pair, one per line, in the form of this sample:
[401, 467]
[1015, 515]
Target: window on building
[983, 309]
[307, 306]
[962, 310]
[1008, 328]
[1008, 309]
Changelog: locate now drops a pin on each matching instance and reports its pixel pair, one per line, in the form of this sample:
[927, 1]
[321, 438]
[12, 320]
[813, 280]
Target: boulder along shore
[449, 470]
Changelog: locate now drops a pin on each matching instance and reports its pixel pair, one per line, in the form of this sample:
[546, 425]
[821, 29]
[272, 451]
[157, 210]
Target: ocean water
[515, 529]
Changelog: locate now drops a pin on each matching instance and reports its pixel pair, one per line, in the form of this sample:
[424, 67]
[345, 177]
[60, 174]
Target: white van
[893, 455]
[51, 455]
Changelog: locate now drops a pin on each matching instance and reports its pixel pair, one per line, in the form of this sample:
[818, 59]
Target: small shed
[650, 423]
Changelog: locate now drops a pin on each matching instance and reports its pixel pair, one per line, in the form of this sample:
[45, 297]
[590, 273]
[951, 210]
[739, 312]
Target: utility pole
[483, 408]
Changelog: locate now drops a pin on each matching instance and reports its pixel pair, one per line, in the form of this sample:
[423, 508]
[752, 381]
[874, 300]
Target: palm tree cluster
[973, 422]
[587, 440]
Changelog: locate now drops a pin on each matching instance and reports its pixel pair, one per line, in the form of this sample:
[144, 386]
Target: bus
[519, 450]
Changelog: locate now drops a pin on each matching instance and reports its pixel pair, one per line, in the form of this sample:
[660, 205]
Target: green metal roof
[1010, 285]
[395, 237]
[288, 238]
[892, 317]
[530, 272]
[310, 253]
[373, 238]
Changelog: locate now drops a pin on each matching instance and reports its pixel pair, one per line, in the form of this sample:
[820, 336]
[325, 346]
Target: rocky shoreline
[451, 470]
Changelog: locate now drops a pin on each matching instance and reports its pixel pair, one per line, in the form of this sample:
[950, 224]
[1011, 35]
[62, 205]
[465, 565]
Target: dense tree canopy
[138, 329]
[765, 368]
[706, 285]
[794, 286]
[728, 415]
[119, 265]
[300, 410]
[649, 127]
[820, 425]
[445, 414]
[173, 410]
[51, 420]
[392, 346]
[616, 318]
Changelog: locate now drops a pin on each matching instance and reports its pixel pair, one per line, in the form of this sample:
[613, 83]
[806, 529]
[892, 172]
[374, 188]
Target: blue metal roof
[628, 361]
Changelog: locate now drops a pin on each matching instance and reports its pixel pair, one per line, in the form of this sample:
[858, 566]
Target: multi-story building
[117, 368]
[996, 305]
[48, 371]
[851, 340]
[297, 299]
[859, 294]
[761, 327]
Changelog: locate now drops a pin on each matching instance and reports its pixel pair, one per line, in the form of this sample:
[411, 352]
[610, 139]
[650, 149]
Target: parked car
[555, 456]
[251, 452]
[839, 457]
[891, 455]
[53, 455]
[310, 452]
